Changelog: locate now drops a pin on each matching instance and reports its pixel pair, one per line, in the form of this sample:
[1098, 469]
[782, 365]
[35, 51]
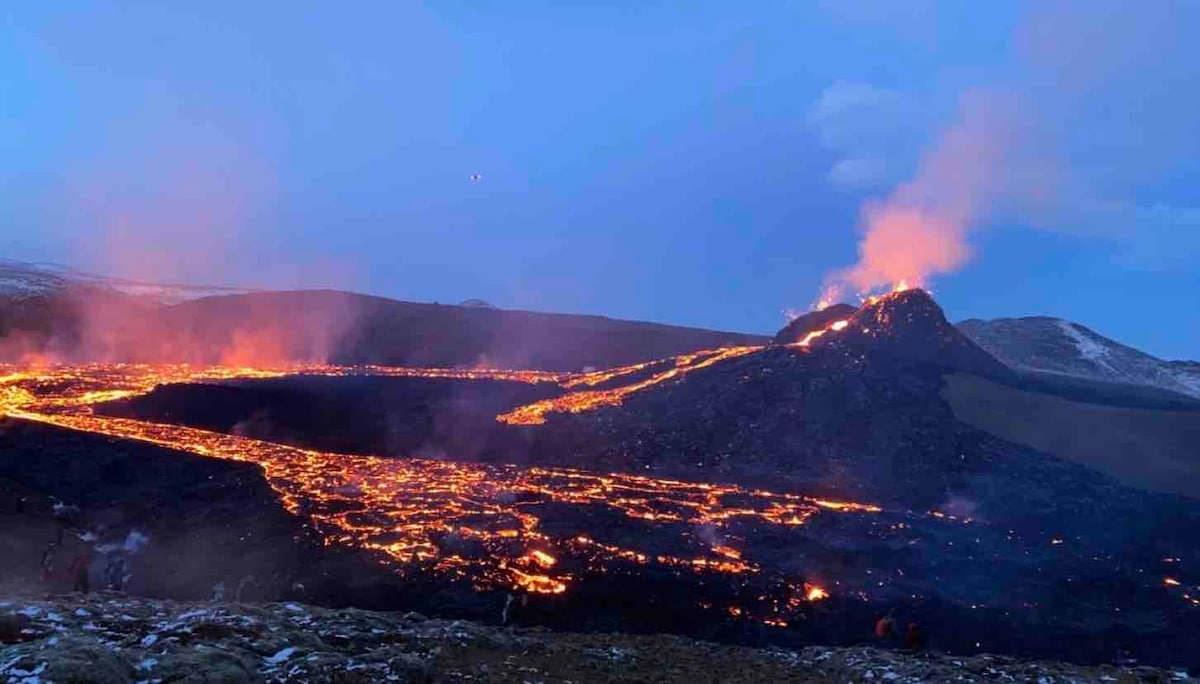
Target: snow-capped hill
[21, 281]
[1054, 345]
[1188, 373]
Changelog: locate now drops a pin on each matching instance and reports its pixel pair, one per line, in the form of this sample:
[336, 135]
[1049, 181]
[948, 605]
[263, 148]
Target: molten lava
[814, 593]
[417, 512]
[586, 400]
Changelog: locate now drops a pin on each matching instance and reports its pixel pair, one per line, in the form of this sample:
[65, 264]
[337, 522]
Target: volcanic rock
[909, 325]
[115, 638]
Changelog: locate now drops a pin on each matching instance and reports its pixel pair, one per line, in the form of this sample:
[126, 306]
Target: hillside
[349, 328]
[1152, 449]
[1058, 347]
[50, 314]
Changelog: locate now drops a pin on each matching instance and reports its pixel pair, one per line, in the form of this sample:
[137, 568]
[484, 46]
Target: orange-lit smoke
[922, 228]
[185, 211]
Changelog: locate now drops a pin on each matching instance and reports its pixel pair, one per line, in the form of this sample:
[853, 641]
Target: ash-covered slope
[1053, 345]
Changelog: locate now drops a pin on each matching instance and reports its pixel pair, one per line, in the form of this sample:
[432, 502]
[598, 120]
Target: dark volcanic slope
[1148, 448]
[350, 328]
[85, 322]
[857, 414]
[206, 521]
[60, 322]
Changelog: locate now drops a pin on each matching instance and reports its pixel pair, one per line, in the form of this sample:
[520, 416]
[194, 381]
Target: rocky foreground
[115, 638]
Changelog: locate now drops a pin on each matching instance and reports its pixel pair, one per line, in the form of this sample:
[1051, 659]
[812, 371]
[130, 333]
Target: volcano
[856, 413]
[910, 327]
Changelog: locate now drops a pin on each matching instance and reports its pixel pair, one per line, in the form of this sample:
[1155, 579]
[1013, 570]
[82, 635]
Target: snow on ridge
[1088, 348]
[20, 285]
[1056, 346]
[1188, 378]
[20, 280]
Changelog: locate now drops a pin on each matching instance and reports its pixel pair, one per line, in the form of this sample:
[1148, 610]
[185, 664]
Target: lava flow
[478, 523]
[590, 399]
[586, 400]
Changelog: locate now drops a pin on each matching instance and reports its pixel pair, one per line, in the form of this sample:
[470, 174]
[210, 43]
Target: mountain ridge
[47, 315]
[1045, 344]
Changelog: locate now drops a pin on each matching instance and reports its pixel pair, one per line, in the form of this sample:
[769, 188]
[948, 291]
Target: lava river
[479, 523]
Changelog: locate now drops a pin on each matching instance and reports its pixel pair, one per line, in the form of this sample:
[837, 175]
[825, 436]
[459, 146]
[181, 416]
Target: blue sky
[700, 163]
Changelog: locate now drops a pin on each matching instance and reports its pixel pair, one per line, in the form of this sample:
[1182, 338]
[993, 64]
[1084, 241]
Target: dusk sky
[700, 163]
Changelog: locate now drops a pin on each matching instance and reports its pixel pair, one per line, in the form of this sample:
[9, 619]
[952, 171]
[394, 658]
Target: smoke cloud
[921, 228]
[1056, 140]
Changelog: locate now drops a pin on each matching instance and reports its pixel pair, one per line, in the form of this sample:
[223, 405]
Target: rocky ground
[116, 638]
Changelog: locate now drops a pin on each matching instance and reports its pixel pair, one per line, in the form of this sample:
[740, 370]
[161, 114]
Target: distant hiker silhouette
[504, 614]
[913, 638]
[512, 605]
[79, 568]
[885, 628]
[47, 565]
[246, 583]
[116, 573]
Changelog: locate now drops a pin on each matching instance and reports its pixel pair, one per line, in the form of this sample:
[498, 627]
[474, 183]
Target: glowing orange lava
[814, 593]
[407, 509]
[586, 400]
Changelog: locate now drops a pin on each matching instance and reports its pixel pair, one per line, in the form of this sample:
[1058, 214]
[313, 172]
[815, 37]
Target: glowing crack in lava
[473, 522]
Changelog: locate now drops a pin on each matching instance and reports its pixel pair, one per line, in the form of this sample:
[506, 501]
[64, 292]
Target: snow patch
[1189, 379]
[1088, 348]
[280, 656]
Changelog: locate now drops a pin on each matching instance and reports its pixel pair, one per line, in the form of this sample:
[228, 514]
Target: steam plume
[1090, 112]
[921, 228]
